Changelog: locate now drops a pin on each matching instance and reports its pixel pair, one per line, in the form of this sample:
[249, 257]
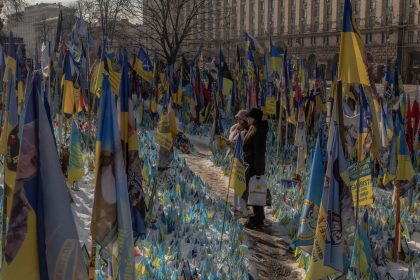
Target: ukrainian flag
[225, 81]
[351, 67]
[75, 167]
[405, 169]
[127, 125]
[327, 253]
[275, 59]
[42, 240]
[143, 66]
[68, 87]
[104, 67]
[9, 142]
[308, 220]
[123, 104]
[363, 128]
[250, 64]
[10, 60]
[111, 225]
[362, 258]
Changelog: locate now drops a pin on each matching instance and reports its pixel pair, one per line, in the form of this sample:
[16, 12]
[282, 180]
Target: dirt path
[267, 250]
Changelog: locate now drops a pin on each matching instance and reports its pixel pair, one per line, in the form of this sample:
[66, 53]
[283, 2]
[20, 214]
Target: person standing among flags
[254, 149]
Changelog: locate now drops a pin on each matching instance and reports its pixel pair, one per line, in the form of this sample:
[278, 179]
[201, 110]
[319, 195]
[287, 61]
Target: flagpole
[280, 128]
[226, 204]
[397, 221]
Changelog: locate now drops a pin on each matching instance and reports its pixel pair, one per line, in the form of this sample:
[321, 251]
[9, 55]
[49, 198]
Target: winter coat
[254, 149]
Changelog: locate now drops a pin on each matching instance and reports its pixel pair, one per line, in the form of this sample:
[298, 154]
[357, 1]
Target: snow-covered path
[268, 248]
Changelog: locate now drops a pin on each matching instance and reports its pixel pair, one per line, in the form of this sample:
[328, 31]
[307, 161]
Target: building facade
[38, 23]
[310, 29]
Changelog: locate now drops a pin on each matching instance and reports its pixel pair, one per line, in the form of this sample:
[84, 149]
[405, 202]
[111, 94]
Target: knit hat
[256, 114]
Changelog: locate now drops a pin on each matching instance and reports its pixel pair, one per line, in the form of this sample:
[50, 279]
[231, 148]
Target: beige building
[390, 30]
[38, 23]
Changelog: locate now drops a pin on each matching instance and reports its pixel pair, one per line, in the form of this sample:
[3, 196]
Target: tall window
[372, 4]
[316, 12]
[418, 37]
[316, 26]
[389, 3]
[410, 36]
[411, 18]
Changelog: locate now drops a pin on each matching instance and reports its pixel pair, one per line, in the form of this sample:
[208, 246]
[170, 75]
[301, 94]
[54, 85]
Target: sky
[32, 2]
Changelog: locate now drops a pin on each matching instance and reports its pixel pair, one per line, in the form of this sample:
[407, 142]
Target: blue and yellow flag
[127, 125]
[309, 217]
[68, 87]
[237, 177]
[9, 142]
[42, 240]
[111, 226]
[327, 253]
[75, 168]
[351, 67]
[143, 66]
[275, 59]
[362, 258]
[251, 67]
[104, 67]
[10, 60]
[253, 43]
[405, 169]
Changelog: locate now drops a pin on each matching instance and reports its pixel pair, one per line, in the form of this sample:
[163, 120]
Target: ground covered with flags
[105, 175]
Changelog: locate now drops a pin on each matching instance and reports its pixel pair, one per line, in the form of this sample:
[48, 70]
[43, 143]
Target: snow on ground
[82, 207]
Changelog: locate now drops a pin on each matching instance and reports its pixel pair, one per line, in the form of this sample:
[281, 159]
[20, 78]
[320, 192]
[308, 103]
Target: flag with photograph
[127, 125]
[42, 240]
[309, 217]
[111, 226]
[327, 252]
[9, 141]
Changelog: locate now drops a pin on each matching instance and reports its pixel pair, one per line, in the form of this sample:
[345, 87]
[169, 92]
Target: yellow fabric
[352, 68]
[26, 261]
[317, 270]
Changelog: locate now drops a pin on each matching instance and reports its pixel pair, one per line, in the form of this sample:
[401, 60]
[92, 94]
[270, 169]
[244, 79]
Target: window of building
[410, 36]
[372, 20]
[281, 3]
[418, 20]
[326, 40]
[292, 3]
[372, 4]
[411, 18]
[357, 6]
[316, 26]
[316, 11]
[302, 42]
[383, 37]
[389, 3]
[418, 37]
[329, 10]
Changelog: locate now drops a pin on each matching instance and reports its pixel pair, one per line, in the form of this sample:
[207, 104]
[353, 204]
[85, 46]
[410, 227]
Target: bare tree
[10, 6]
[173, 27]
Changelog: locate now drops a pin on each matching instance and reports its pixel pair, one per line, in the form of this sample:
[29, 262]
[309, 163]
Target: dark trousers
[259, 215]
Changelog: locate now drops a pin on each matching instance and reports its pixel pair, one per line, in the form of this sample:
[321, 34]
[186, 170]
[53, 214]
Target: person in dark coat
[254, 148]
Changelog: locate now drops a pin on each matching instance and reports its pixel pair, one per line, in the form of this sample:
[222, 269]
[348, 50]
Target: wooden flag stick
[396, 248]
